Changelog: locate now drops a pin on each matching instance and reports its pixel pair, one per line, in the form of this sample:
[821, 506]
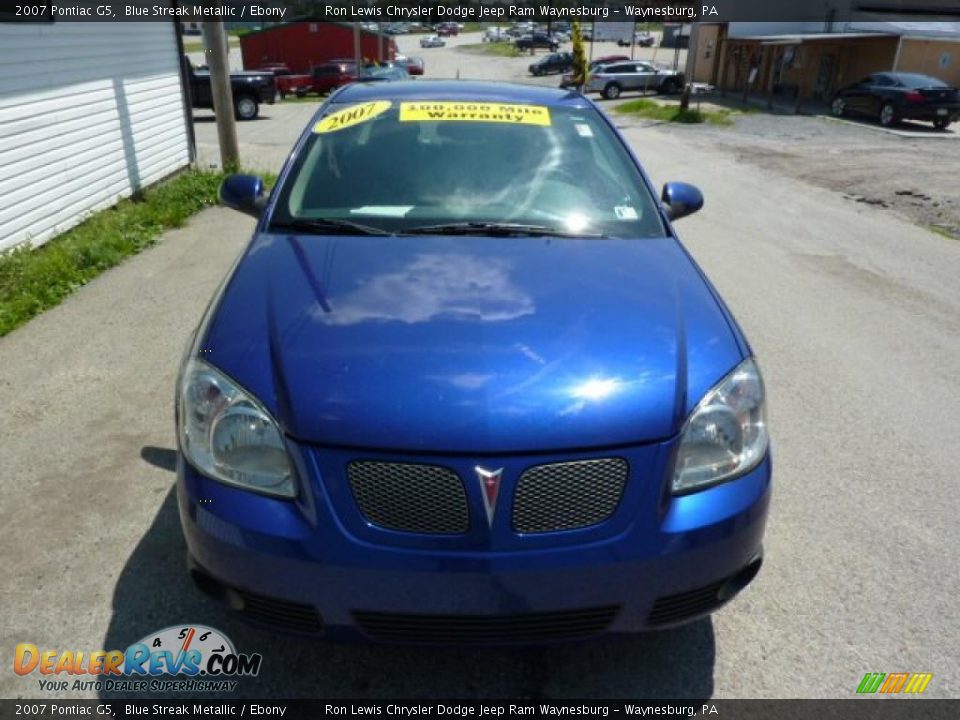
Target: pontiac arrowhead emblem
[489, 488]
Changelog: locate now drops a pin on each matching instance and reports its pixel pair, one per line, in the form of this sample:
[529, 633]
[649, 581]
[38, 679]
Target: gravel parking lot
[854, 312]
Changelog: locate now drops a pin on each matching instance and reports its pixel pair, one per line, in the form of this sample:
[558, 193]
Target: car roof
[915, 79]
[463, 90]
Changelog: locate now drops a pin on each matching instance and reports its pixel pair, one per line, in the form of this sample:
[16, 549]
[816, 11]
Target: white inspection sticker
[625, 212]
[584, 130]
[383, 210]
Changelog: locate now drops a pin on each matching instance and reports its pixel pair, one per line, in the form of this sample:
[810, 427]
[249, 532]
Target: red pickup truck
[288, 82]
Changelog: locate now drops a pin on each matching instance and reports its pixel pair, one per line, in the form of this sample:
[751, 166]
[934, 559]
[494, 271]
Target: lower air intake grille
[687, 605]
[280, 613]
[674, 608]
[565, 496]
[411, 498]
[480, 629]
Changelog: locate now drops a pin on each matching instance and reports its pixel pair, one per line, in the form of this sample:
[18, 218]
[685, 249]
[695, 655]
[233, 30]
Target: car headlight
[726, 434]
[227, 435]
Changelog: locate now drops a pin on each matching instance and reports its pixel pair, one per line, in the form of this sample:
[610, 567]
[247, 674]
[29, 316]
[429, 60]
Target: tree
[580, 67]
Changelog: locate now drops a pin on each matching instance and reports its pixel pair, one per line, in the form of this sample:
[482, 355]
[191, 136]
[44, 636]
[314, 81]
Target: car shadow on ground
[154, 591]
[904, 128]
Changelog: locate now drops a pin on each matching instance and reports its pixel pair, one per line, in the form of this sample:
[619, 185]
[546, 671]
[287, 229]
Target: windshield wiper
[324, 226]
[496, 229]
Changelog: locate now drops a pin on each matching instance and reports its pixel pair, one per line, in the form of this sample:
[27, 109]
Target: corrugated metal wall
[89, 112]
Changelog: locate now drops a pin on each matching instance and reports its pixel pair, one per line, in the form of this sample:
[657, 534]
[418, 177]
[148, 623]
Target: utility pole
[693, 47]
[218, 61]
[357, 58]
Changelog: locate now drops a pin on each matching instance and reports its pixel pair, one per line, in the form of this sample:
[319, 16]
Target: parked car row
[402, 28]
[330, 75]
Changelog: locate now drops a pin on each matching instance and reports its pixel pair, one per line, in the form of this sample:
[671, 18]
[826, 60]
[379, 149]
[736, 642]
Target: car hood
[471, 344]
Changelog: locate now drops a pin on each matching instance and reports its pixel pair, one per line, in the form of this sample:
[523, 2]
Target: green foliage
[34, 280]
[580, 64]
[674, 113]
[501, 49]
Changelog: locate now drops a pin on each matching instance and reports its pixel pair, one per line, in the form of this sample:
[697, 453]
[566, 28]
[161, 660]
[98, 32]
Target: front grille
[482, 629]
[565, 496]
[410, 498]
[280, 613]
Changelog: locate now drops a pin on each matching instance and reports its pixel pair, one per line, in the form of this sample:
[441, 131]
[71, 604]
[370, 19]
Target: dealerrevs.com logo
[188, 658]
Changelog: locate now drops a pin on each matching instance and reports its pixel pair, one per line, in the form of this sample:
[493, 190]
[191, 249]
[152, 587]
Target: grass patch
[311, 98]
[34, 280]
[500, 49]
[233, 41]
[672, 112]
[944, 232]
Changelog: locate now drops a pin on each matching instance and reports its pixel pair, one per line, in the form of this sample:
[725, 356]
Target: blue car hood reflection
[471, 344]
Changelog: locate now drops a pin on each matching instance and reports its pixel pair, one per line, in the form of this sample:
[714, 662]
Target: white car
[431, 41]
[496, 34]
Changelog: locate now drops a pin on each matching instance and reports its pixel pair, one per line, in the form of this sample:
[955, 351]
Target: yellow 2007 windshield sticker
[475, 112]
[353, 115]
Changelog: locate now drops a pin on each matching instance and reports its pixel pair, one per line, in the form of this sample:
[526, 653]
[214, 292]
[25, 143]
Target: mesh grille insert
[565, 496]
[410, 498]
[467, 629]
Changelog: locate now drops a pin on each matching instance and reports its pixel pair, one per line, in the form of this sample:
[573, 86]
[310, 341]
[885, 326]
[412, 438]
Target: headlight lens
[726, 434]
[227, 435]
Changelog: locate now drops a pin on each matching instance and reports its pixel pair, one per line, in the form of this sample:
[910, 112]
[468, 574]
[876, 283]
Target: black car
[894, 96]
[552, 63]
[537, 40]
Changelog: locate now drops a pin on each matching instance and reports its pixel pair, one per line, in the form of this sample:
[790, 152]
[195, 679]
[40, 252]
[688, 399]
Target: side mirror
[244, 193]
[681, 199]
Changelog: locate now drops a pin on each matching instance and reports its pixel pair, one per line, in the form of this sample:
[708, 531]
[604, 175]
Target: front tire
[838, 107]
[888, 115]
[611, 91]
[941, 123]
[670, 87]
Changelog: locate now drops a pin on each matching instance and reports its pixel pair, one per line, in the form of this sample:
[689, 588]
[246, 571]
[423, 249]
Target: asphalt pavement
[853, 312]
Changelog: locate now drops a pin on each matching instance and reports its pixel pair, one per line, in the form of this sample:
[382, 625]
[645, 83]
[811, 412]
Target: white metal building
[89, 113]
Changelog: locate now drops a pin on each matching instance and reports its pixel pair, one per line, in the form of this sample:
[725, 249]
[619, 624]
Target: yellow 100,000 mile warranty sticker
[353, 115]
[475, 112]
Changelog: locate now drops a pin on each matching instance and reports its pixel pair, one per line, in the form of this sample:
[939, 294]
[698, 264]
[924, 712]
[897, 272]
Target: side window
[882, 80]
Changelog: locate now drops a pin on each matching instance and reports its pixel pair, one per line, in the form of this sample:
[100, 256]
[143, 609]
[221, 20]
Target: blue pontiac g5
[465, 385]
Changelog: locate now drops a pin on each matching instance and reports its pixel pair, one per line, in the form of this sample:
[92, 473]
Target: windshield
[398, 166]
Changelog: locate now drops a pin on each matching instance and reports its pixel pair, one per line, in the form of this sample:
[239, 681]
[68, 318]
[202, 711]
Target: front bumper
[315, 566]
